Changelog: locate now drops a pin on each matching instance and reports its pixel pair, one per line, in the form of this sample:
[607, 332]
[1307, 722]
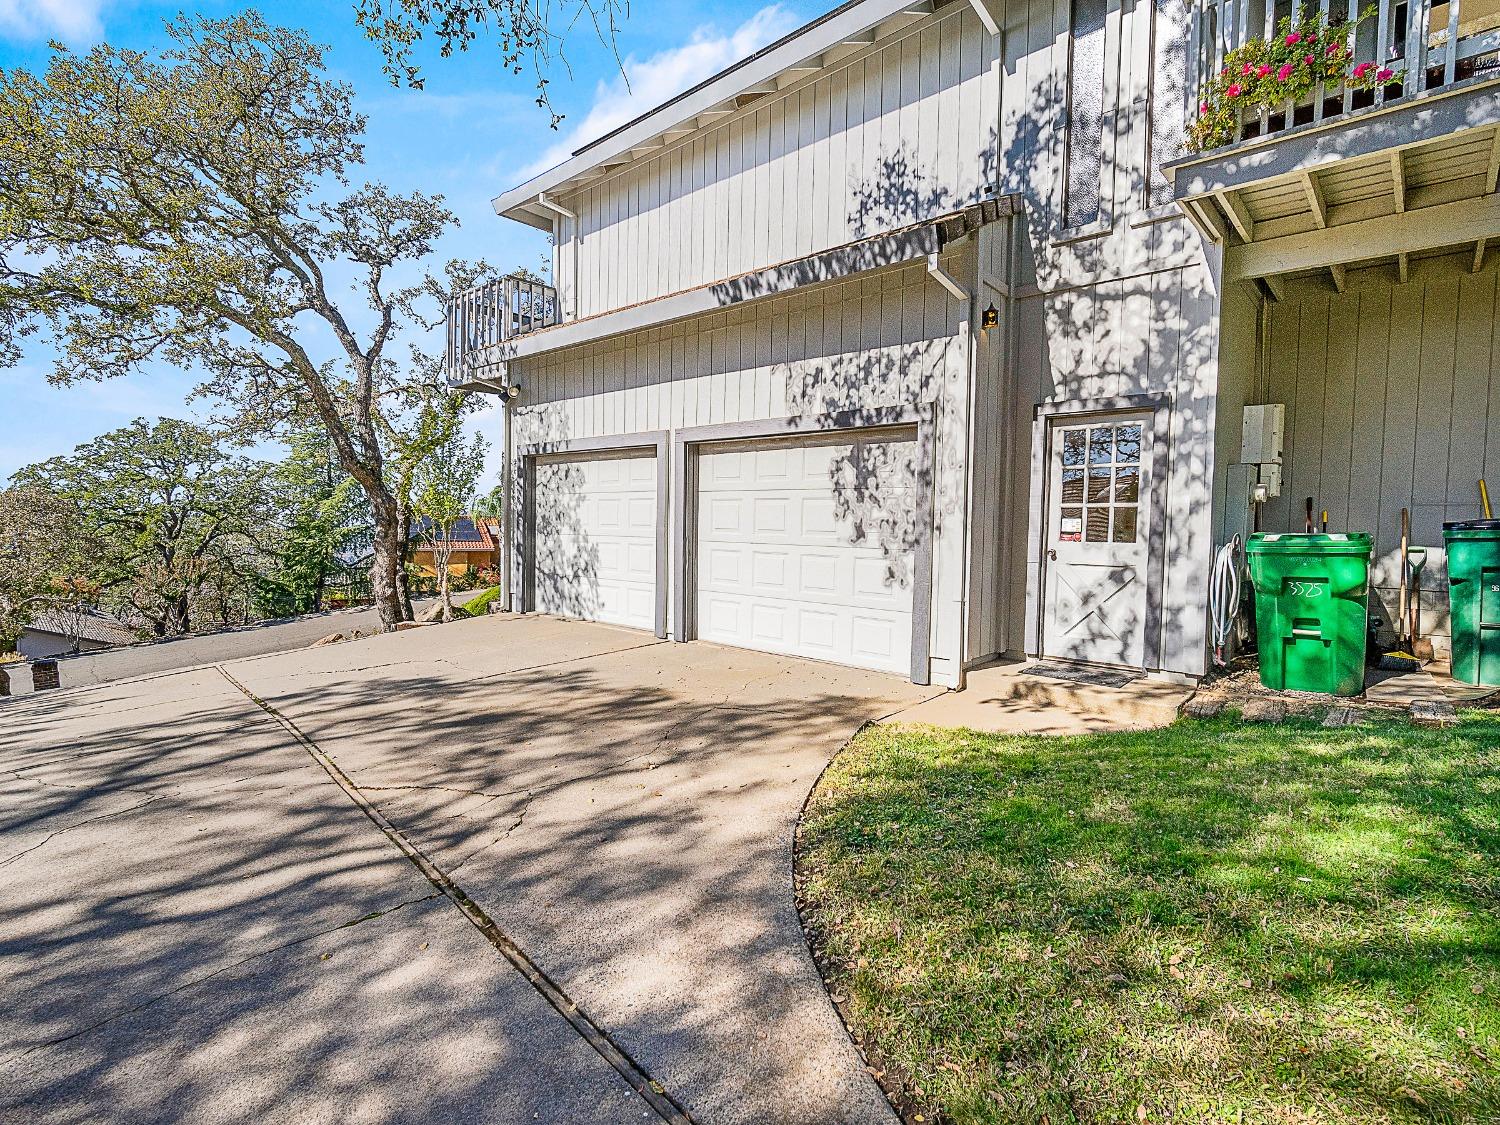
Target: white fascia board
[759, 70]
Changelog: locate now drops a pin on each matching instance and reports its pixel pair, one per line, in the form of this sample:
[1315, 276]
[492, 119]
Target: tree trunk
[441, 558]
[403, 524]
[386, 580]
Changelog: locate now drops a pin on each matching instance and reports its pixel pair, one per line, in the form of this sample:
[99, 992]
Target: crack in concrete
[433, 789]
[56, 832]
[520, 819]
[220, 971]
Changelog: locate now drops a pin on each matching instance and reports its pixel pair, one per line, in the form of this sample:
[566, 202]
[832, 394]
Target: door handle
[1051, 554]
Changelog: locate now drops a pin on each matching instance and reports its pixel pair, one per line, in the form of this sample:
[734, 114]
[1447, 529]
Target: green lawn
[1214, 921]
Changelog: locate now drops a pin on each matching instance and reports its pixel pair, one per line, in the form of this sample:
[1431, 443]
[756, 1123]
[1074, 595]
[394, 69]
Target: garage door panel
[595, 538]
[874, 462]
[807, 548]
[851, 576]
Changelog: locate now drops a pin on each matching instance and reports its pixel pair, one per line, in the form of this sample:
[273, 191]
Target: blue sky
[474, 131]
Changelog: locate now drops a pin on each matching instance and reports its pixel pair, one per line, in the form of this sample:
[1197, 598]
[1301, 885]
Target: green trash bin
[1474, 599]
[1311, 595]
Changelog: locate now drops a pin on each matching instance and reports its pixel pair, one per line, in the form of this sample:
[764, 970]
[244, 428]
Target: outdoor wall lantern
[990, 317]
[510, 393]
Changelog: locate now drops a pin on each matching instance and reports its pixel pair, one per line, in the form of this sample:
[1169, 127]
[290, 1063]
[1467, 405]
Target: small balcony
[1425, 45]
[481, 320]
[1388, 153]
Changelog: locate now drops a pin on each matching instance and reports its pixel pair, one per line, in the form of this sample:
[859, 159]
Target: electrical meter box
[1260, 439]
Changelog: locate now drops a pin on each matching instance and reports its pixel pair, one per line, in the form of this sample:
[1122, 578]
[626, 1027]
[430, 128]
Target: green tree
[321, 516]
[45, 560]
[491, 504]
[527, 33]
[195, 206]
[443, 495]
[171, 517]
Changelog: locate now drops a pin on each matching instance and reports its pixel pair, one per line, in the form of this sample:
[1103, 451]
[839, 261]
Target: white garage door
[596, 537]
[805, 547]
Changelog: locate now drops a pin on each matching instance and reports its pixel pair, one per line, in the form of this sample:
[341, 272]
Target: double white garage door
[801, 546]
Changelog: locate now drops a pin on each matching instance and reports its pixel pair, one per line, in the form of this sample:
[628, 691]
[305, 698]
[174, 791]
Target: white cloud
[66, 19]
[663, 75]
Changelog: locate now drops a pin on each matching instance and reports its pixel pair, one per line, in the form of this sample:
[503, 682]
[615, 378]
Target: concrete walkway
[198, 924]
[1008, 698]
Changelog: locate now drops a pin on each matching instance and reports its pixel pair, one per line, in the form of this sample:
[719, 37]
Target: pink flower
[1263, 71]
[1293, 39]
[1202, 107]
[1233, 91]
[1335, 48]
[1284, 73]
[1385, 74]
[1308, 60]
[1361, 70]
[1245, 69]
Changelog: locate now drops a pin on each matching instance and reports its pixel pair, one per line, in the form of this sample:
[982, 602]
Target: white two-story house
[918, 339]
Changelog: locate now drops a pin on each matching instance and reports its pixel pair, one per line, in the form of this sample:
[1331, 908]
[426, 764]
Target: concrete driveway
[197, 923]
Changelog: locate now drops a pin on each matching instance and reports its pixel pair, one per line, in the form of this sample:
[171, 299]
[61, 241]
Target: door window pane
[1125, 525]
[1098, 525]
[1128, 444]
[1127, 484]
[1099, 489]
[1070, 526]
[1101, 442]
[1072, 486]
[1072, 447]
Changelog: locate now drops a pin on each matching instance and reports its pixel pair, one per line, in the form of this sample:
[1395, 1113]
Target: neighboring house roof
[794, 58]
[467, 534]
[87, 626]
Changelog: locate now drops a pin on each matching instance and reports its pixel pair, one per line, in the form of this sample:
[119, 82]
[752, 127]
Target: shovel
[1416, 559]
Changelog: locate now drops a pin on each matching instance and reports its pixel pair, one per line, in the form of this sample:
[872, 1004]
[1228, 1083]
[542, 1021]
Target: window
[1101, 484]
[1166, 139]
[1085, 135]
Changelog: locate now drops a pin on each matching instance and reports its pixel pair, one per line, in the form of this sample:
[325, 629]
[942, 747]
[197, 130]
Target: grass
[1212, 922]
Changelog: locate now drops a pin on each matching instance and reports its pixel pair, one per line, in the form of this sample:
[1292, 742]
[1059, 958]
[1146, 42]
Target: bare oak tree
[196, 207]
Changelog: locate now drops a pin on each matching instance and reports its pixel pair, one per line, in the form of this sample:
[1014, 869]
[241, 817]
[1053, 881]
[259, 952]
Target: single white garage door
[805, 547]
[595, 533]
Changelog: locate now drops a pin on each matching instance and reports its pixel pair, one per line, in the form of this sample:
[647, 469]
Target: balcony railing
[489, 314]
[1429, 44]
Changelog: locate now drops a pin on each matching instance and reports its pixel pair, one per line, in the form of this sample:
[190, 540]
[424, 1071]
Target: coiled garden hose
[1224, 594]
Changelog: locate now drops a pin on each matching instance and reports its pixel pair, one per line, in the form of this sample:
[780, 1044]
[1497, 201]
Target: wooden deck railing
[492, 313]
[1431, 44]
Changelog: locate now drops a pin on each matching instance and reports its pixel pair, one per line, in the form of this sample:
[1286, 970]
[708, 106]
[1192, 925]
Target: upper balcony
[1387, 148]
[1424, 46]
[493, 313]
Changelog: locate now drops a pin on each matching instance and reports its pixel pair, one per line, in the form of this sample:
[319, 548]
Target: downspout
[507, 514]
[573, 240]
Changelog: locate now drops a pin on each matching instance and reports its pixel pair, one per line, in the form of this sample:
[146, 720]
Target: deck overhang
[1394, 182]
[485, 369]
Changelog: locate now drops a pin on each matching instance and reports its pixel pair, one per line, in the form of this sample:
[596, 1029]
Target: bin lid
[1472, 525]
[1316, 542]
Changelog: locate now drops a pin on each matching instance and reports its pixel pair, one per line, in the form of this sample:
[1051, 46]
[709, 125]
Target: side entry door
[1096, 540]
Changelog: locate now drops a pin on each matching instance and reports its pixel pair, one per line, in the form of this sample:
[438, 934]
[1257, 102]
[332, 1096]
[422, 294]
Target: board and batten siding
[894, 338]
[1392, 401]
[1152, 334]
[900, 132]
[1131, 237]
